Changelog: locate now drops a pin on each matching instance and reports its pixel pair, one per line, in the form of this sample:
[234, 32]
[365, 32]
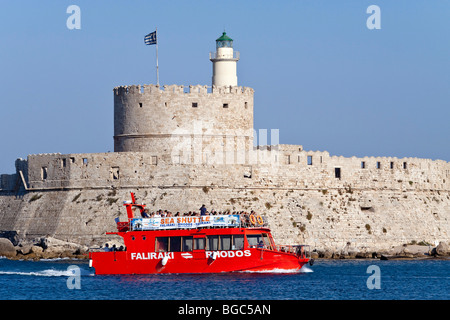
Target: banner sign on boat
[185, 222]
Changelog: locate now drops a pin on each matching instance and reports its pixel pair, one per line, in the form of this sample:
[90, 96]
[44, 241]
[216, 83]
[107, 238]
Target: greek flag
[150, 38]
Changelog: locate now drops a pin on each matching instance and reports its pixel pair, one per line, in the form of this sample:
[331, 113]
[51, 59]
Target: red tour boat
[196, 244]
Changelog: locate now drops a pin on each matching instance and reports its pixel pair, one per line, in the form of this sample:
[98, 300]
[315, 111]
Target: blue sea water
[325, 280]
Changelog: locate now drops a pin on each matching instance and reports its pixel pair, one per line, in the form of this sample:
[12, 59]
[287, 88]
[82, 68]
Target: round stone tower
[224, 62]
[197, 123]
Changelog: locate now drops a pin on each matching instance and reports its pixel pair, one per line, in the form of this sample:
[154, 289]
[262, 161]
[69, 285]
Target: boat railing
[107, 249]
[123, 226]
[303, 251]
[193, 222]
[252, 221]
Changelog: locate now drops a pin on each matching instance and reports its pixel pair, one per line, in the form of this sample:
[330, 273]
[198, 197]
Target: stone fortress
[178, 148]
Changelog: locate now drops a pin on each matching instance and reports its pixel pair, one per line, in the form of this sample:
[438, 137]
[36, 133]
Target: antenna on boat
[130, 205]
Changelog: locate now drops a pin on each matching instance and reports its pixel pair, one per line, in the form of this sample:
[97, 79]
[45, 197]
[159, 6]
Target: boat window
[225, 242]
[213, 243]
[253, 240]
[238, 242]
[187, 243]
[267, 241]
[199, 243]
[162, 244]
[175, 244]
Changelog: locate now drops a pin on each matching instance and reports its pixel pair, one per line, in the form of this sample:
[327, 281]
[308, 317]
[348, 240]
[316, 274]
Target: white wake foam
[47, 273]
[306, 269]
[302, 270]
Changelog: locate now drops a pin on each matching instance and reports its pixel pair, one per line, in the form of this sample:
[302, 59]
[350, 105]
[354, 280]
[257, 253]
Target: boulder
[352, 253]
[336, 255]
[325, 254]
[56, 245]
[24, 249]
[363, 255]
[35, 253]
[11, 236]
[37, 250]
[7, 248]
[55, 248]
[442, 249]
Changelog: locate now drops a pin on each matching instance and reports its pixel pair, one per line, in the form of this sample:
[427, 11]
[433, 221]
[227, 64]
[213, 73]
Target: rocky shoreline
[52, 248]
[42, 248]
[402, 252]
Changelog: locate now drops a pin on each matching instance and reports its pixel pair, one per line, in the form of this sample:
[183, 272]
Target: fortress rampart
[371, 203]
[286, 166]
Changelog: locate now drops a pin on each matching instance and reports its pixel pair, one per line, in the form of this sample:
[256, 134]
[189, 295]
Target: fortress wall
[325, 219]
[371, 208]
[278, 167]
[8, 181]
[13, 182]
[364, 173]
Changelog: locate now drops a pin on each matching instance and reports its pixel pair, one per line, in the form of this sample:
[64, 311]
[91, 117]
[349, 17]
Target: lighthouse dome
[224, 41]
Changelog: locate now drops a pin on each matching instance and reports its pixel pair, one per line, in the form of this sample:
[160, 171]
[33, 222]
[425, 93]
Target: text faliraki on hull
[170, 255]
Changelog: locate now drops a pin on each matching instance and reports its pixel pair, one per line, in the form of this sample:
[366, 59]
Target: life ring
[253, 219]
[260, 220]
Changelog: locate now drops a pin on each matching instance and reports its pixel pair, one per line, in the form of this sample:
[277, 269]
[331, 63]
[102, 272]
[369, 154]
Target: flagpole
[157, 68]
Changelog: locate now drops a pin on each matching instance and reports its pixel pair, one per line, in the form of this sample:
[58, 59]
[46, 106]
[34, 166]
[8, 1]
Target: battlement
[282, 166]
[181, 89]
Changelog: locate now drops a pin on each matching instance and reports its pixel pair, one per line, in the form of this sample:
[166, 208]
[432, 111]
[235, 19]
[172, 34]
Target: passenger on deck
[246, 220]
[203, 210]
[145, 214]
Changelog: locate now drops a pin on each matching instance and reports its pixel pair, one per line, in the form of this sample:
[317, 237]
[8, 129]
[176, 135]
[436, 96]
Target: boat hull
[251, 259]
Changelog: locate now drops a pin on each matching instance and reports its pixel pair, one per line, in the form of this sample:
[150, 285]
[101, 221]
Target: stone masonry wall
[370, 204]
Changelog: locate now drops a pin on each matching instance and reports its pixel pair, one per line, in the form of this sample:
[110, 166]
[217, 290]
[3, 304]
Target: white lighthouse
[224, 62]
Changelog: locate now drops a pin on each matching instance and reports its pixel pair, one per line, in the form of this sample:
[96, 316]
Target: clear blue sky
[320, 75]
